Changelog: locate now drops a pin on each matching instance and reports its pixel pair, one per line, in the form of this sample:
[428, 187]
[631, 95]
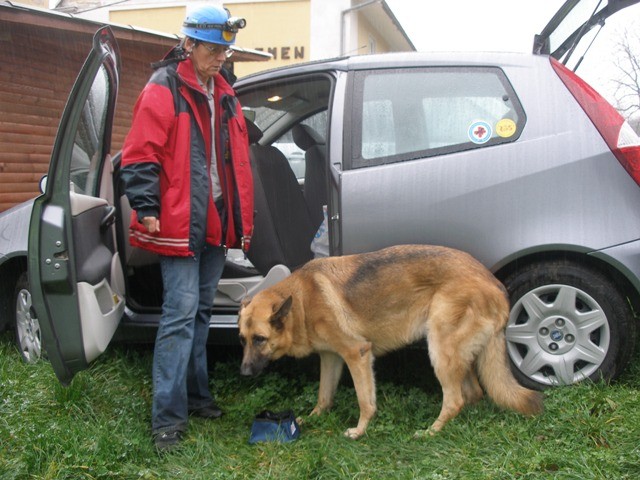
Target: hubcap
[557, 334]
[27, 328]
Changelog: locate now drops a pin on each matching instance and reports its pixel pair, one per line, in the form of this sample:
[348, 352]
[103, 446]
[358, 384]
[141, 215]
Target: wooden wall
[40, 56]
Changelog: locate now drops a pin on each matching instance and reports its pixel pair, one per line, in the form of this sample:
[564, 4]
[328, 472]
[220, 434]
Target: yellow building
[292, 31]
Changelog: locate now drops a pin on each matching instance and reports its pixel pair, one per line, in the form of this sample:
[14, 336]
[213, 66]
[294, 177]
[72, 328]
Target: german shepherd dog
[356, 307]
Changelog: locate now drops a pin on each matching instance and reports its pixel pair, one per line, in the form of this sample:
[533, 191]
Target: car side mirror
[43, 183]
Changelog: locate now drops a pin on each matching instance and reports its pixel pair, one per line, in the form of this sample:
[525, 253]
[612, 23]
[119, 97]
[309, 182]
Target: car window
[88, 141]
[275, 107]
[576, 17]
[405, 114]
[294, 154]
[575, 25]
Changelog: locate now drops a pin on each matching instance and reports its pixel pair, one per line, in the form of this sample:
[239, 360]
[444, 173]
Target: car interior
[288, 207]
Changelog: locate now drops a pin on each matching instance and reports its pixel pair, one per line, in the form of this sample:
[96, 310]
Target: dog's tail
[499, 382]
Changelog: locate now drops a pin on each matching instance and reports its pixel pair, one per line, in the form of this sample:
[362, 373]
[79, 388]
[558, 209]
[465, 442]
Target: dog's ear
[279, 312]
[245, 302]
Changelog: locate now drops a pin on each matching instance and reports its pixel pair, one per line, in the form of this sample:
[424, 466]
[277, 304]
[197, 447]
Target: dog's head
[262, 326]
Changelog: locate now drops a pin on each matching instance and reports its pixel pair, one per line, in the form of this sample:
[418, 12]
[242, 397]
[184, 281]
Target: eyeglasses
[216, 50]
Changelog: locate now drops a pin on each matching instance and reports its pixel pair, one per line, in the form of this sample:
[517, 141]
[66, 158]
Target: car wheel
[27, 326]
[567, 323]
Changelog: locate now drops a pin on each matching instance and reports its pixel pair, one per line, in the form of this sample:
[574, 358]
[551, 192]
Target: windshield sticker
[480, 132]
[506, 128]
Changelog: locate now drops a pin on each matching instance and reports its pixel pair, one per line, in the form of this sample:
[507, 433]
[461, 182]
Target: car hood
[14, 230]
[570, 25]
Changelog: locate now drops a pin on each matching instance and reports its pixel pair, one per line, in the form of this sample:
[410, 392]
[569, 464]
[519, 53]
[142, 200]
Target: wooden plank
[15, 198]
[10, 177]
[9, 188]
[24, 146]
[36, 120]
[23, 167]
[22, 158]
[23, 104]
[20, 130]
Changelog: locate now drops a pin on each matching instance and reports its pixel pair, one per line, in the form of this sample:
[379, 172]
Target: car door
[74, 267]
[571, 31]
[416, 167]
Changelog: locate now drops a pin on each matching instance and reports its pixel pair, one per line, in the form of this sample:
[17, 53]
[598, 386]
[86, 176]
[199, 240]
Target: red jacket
[166, 158]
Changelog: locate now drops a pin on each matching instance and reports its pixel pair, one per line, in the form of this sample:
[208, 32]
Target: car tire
[27, 326]
[567, 323]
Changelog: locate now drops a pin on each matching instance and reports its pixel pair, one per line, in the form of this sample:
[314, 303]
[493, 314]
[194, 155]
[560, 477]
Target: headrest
[306, 137]
[255, 134]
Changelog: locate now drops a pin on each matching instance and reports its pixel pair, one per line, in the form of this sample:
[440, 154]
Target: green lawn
[98, 427]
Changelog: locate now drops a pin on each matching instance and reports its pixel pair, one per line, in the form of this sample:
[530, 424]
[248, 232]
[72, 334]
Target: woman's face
[207, 58]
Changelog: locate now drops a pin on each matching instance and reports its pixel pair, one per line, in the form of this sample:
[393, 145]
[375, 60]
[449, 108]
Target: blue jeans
[180, 375]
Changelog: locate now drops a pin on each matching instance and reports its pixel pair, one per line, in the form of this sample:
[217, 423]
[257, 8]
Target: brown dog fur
[353, 308]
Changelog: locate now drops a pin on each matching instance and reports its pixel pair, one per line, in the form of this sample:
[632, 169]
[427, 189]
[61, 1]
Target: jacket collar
[187, 73]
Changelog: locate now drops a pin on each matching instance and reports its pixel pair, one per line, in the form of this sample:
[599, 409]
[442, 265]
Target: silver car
[510, 157]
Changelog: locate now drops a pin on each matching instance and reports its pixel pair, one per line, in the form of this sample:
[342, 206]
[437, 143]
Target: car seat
[315, 177]
[282, 226]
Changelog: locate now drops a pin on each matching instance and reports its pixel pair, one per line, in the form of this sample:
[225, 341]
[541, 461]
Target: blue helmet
[213, 24]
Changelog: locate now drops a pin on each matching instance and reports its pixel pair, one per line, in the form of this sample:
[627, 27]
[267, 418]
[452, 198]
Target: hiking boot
[210, 413]
[168, 440]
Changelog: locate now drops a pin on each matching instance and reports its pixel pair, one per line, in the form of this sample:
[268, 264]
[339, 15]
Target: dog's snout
[246, 370]
[252, 369]
[253, 365]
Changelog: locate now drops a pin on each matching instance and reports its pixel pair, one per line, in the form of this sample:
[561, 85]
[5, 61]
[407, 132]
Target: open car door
[74, 267]
[571, 31]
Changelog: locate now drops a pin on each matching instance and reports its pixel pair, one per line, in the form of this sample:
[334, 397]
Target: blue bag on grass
[274, 427]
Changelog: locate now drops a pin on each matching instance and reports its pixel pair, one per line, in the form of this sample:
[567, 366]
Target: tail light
[615, 130]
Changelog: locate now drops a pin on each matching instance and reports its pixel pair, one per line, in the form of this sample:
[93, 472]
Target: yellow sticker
[506, 127]
[228, 36]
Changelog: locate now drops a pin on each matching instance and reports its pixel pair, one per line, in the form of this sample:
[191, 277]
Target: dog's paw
[316, 412]
[353, 433]
[422, 434]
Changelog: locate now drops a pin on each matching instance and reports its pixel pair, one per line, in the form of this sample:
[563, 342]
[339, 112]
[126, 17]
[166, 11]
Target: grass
[99, 427]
